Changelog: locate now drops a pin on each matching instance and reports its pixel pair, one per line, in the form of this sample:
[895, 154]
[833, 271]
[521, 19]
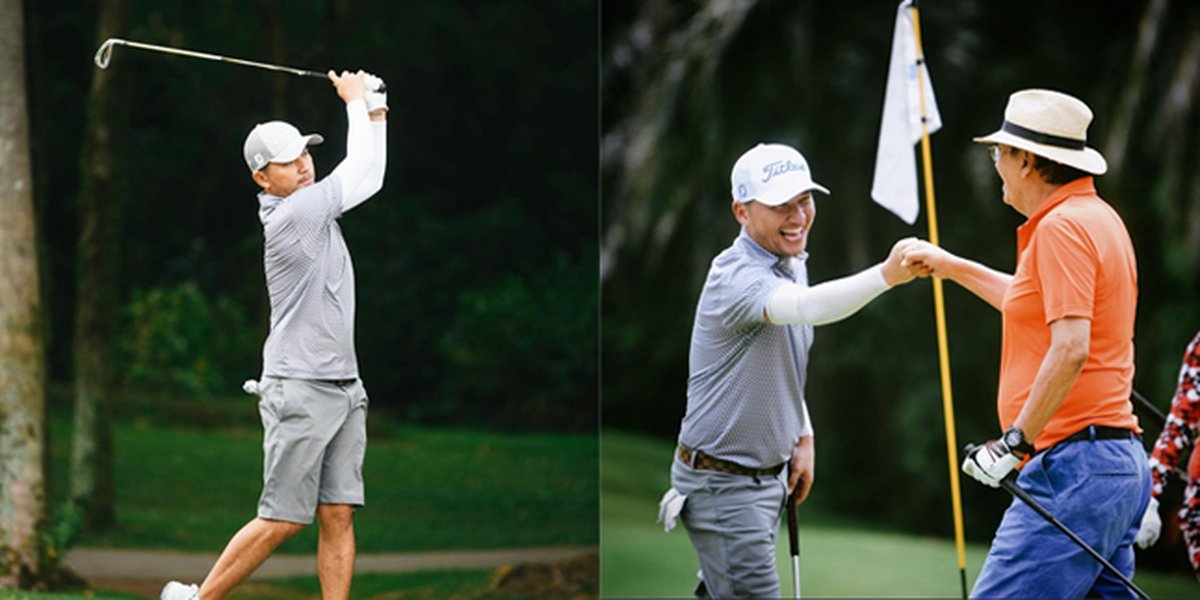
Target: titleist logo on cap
[780, 167]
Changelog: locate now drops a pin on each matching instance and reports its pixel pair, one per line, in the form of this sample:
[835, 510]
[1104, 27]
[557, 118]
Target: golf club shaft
[104, 55]
[1149, 407]
[208, 56]
[794, 542]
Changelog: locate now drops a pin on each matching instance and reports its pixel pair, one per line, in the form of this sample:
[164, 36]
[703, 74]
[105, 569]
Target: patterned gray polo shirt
[310, 281]
[745, 393]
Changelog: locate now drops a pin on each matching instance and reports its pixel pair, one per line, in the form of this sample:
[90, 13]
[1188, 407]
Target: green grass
[838, 557]
[188, 489]
[449, 584]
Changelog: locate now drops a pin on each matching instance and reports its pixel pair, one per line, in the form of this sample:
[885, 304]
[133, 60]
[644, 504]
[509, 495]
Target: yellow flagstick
[940, 309]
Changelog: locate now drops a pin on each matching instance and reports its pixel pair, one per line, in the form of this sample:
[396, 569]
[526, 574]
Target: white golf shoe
[177, 591]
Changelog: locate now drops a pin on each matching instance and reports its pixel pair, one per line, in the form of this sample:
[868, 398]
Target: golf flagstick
[794, 542]
[1009, 483]
[939, 306]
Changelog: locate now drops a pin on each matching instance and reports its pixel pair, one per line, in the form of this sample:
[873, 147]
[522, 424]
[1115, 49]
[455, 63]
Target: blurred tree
[102, 199]
[22, 377]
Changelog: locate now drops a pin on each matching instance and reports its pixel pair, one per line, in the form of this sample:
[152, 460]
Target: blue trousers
[1099, 490]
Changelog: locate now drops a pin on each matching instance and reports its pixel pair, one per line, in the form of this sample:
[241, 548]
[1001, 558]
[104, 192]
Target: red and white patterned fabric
[1178, 435]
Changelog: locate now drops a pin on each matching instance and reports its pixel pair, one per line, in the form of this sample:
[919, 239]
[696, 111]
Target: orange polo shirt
[1074, 259]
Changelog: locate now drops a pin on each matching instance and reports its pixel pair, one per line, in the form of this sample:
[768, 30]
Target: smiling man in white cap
[746, 416]
[313, 405]
[1066, 367]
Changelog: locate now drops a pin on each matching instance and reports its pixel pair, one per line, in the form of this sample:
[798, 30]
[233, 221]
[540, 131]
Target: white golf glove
[1151, 526]
[669, 508]
[250, 386]
[990, 462]
[375, 99]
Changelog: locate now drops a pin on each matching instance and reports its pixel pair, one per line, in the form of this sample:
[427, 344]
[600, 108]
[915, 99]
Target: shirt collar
[759, 254]
[1084, 186]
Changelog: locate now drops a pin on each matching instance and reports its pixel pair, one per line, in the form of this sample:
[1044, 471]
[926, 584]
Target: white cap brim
[292, 152]
[777, 196]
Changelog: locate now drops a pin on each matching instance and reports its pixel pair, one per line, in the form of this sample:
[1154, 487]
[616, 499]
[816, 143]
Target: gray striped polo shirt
[745, 392]
[310, 282]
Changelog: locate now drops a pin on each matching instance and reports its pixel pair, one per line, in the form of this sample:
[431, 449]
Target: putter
[794, 541]
[1009, 483]
[104, 56]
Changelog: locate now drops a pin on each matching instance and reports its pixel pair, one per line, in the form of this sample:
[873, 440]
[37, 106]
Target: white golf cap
[1050, 124]
[275, 142]
[771, 174]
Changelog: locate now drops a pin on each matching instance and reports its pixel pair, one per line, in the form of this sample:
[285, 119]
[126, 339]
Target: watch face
[1013, 438]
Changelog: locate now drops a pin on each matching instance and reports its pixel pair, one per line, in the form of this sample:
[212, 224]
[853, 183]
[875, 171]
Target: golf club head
[104, 53]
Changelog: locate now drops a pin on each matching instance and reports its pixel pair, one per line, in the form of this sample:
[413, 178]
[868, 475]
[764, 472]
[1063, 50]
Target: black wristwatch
[1014, 438]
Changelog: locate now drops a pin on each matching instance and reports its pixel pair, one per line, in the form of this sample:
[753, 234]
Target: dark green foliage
[524, 351]
[180, 342]
[492, 180]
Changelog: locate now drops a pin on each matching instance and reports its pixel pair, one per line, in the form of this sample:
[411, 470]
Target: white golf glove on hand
[375, 99]
[1151, 526]
[669, 508]
[990, 462]
[251, 386]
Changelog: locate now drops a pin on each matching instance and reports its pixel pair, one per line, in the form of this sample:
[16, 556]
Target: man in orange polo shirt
[1066, 367]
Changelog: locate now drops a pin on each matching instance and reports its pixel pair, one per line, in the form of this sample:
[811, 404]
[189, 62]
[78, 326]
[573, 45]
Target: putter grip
[793, 534]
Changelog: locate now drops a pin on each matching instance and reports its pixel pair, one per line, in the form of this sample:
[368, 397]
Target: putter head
[104, 53]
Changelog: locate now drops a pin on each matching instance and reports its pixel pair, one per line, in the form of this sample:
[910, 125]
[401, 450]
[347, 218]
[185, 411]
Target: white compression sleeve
[359, 149]
[825, 302]
[373, 181]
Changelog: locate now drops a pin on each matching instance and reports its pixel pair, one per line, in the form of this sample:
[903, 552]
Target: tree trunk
[22, 360]
[97, 296]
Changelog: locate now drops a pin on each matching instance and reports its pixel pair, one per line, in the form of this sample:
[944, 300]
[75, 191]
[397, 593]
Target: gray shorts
[314, 439]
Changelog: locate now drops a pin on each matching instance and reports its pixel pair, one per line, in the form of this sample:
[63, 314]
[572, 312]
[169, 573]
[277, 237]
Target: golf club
[1140, 401]
[104, 56]
[794, 540]
[1009, 483]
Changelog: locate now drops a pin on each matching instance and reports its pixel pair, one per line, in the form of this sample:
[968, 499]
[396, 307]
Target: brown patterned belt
[708, 463]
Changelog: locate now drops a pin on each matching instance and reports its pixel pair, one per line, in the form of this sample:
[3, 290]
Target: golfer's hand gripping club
[376, 93]
[990, 463]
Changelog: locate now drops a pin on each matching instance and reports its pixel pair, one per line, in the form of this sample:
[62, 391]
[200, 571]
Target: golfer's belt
[709, 463]
[1100, 432]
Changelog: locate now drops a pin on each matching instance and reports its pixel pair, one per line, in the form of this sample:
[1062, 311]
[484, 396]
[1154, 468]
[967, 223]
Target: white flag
[895, 184]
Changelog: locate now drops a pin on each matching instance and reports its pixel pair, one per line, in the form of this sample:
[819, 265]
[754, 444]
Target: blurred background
[477, 314]
[688, 86]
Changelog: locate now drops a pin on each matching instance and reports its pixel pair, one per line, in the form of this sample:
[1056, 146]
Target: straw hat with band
[1052, 125]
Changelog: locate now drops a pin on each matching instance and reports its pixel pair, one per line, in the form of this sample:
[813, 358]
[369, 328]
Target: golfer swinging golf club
[746, 413]
[313, 405]
[1066, 367]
